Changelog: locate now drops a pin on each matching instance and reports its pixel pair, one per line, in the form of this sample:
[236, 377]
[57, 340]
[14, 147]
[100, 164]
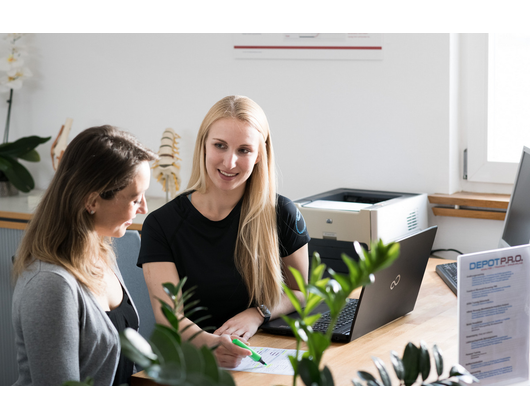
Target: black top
[124, 316]
[203, 251]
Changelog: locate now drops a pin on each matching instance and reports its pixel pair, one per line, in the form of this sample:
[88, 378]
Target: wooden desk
[434, 320]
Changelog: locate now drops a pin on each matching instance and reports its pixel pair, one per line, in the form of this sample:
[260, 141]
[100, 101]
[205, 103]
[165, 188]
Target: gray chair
[9, 241]
[127, 249]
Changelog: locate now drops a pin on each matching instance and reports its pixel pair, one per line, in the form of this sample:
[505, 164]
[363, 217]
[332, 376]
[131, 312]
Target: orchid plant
[12, 63]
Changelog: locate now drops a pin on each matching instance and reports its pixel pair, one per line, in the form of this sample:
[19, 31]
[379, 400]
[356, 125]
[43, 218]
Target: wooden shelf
[471, 205]
[15, 211]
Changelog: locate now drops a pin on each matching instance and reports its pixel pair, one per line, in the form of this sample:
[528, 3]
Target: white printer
[337, 218]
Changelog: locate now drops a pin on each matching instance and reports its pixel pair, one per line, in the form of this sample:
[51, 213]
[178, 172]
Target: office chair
[9, 241]
[127, 249]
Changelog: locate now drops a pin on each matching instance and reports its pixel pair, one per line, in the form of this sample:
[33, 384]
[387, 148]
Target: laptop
[392, 295]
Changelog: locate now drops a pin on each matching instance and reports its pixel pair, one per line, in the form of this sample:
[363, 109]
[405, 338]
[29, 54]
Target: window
[508, 96]
[495, 104]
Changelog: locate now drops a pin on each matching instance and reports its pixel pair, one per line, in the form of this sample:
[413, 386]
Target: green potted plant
[334, 292]
[166, 357]
[415, 361]
[12, 171]
[14, 176]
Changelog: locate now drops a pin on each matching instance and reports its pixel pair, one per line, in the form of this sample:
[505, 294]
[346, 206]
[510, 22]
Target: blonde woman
[229, 233]
[70, 300]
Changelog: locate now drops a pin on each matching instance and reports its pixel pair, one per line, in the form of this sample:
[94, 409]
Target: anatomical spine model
[60, 143]
[166, 170]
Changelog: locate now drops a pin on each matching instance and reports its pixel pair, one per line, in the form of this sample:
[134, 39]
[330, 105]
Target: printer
[336, 218]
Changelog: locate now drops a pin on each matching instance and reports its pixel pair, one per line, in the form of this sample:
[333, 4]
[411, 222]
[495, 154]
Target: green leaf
[172, 368]
[317, 343]
[171, 290]
[318, 289]
[461, 373]
[424, 361]
[299, 280]
[22, 146]
[343, 282]
[309, 372]
[31, 156]
[17, 174]
[398, 365]
[312, 302]
[386, 254]
[356, 382]
[298, 328]
[438, 360]
[317, 273]
[4, 164]
[210, 364]
[410, 359]
[165, 305]
[369, 378]
[315, 261]
[294, 300]
[326, 377]
[134, 352]
[385, 377]
[166, 346]
[193, 360]
[170, 316]
[310, 320]
[353, 266]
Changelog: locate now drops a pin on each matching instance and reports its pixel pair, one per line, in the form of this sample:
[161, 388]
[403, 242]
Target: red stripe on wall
[270, 47]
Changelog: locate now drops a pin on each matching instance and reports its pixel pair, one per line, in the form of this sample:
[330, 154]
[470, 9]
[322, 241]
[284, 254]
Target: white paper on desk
[277, 361]
[493, 314]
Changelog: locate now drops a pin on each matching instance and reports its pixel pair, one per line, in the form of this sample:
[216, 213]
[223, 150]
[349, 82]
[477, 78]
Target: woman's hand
[244, 325]
[229, 355]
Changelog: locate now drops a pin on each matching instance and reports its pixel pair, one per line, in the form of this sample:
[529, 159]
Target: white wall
[382, 124]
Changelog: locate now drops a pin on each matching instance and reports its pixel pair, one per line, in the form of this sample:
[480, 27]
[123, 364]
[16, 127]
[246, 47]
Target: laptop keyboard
[449, 274]
[345, 317]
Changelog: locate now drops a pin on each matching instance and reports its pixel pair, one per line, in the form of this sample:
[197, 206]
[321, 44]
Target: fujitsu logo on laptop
[395, 282]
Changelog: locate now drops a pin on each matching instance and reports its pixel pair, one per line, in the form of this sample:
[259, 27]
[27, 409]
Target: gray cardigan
[61, 332]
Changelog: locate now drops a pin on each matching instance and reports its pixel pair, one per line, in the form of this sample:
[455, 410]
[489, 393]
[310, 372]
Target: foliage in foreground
[169, 359]
[416, 362]
[334, 292]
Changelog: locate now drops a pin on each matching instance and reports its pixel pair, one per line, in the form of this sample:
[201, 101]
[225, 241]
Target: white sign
[323, 46]
[493, 317]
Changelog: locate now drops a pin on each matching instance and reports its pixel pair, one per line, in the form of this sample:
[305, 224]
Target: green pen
[254, 356]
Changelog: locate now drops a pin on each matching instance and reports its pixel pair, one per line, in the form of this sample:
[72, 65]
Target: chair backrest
[9, 242]
[127, 249]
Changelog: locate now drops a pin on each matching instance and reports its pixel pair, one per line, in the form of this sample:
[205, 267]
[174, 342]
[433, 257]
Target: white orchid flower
[11, 61]
[14, 78]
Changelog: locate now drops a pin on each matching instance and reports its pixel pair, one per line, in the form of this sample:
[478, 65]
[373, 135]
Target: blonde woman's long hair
[257, 255]
[61, 232]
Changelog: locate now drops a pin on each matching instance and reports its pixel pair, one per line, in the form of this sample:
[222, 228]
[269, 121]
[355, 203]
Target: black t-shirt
[203, 251]
[122, 317]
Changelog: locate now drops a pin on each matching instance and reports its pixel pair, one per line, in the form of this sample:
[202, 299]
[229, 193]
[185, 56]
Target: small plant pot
[7, 189]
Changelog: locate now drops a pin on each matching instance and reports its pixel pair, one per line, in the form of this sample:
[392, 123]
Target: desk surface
[434, 320]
